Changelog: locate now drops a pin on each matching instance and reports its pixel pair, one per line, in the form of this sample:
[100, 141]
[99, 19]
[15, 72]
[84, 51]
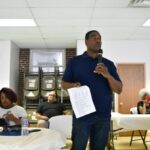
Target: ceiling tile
[62, 13]
[62, 22]
[61, 43]
[61, 3]
[118, 22]
[15, 13]
[30, 43]
[59, 32]
[121, 13]
[16, 30]
[112, 3]
[142, 33]
[12, 3]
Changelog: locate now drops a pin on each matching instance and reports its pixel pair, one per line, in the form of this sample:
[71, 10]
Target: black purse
[3, 122]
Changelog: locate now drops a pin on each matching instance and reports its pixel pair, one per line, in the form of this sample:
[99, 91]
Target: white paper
[81, 101]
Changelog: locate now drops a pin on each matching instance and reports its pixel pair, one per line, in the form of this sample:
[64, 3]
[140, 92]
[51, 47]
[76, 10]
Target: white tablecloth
[46, 139]
[132, 121]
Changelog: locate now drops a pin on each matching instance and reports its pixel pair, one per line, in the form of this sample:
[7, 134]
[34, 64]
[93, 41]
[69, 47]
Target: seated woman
[11, 112]
[143, 106]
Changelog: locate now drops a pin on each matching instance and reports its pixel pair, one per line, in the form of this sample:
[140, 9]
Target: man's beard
[96, 49]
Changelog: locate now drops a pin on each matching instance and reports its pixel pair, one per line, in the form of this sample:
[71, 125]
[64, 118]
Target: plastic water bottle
[24, 126]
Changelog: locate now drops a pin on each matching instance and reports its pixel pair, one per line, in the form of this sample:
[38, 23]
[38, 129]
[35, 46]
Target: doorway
[133, 78]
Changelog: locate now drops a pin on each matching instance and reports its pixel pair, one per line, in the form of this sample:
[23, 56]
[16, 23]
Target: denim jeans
[94, 129]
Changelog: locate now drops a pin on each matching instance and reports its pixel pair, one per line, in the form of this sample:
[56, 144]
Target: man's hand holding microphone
[100, 67]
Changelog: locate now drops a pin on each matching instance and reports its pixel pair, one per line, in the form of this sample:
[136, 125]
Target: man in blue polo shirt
[103, 80]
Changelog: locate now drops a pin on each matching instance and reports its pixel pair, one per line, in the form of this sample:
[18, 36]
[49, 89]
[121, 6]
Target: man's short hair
[89, 33]
[52, 93]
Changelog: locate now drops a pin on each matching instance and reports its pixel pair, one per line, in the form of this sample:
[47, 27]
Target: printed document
[81, 101]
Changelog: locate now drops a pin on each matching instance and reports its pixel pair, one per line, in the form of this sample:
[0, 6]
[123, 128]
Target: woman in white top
[11, 112]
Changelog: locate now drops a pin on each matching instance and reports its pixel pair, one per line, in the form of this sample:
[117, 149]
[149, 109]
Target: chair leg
[143, 139]
[131, 137]
[145, 135]
[110, 144]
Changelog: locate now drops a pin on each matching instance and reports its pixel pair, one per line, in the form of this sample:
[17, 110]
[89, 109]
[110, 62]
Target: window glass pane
[47, 59]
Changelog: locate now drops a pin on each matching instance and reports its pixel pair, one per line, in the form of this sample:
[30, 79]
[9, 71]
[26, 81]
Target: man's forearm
[115, 85]
[38, 116]
[66, 85]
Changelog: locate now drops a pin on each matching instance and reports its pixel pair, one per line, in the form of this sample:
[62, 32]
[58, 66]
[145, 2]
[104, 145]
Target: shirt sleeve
[21, 112]
[68, 74]
[114, 73]
[61, 108]
[39, 109]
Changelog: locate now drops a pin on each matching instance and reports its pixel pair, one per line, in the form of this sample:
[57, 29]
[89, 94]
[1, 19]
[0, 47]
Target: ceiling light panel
[17, 23]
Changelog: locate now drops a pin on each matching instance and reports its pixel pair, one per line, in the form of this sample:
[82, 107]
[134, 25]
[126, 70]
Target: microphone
[100, 56]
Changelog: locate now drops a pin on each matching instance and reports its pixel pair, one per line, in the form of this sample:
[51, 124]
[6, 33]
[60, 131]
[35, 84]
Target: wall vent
[139, 3]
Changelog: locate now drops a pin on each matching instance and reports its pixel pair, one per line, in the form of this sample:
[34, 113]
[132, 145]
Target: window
[47, 59]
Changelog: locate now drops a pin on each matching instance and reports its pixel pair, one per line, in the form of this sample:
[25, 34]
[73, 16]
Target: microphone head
[101, 51]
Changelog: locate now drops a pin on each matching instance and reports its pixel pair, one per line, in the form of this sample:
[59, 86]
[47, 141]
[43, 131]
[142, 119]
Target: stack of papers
[81, 101]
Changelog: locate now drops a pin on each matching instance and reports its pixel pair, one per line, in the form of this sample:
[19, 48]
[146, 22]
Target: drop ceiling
[60, 23]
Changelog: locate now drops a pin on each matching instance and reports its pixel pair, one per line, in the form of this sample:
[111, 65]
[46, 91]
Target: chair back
[59, 79]
[47, 85]
[31, 87]
[62, 123]
[31, 83]
[61, 93]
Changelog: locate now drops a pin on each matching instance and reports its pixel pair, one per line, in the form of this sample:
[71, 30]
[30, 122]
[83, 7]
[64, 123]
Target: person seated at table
[48, 109]
[143, 106]
[9, 110]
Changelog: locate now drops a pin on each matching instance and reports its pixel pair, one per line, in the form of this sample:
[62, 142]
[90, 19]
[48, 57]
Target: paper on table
[81, 101]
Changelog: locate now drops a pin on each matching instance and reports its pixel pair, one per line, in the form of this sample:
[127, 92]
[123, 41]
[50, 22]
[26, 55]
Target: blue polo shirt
[80, 69]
